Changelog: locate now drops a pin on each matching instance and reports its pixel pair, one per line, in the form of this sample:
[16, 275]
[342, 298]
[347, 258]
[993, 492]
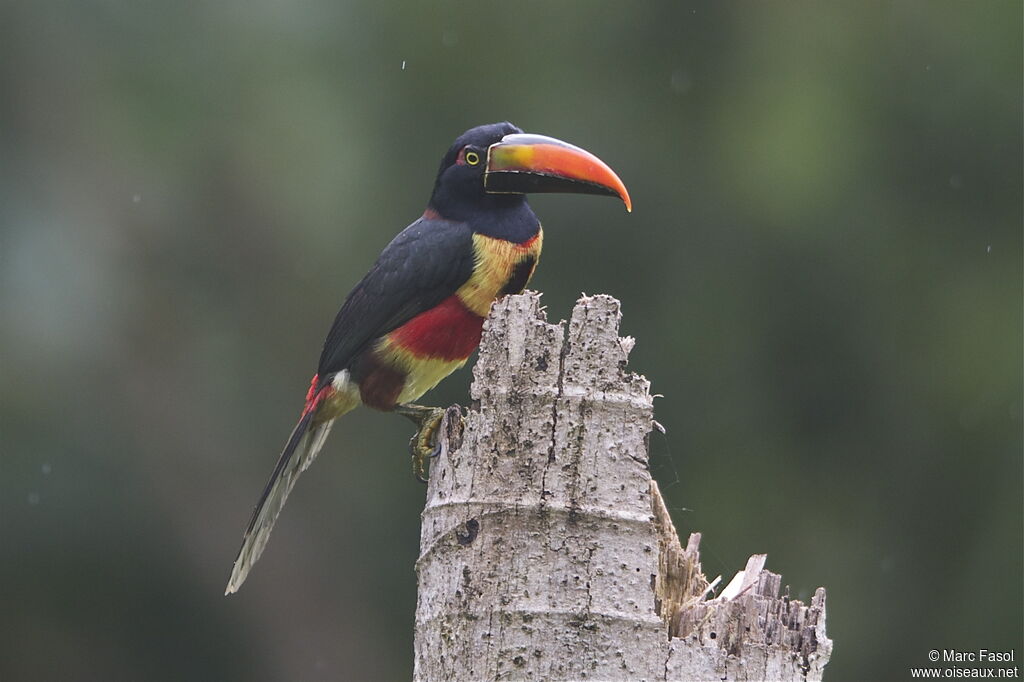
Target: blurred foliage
[823, 272]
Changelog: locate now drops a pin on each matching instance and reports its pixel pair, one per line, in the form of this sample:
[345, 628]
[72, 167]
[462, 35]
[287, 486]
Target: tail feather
[305, 442]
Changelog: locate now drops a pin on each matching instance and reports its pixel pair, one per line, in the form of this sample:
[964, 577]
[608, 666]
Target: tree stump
[546, 552]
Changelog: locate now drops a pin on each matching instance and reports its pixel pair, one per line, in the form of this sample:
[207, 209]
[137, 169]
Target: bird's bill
[523, 163]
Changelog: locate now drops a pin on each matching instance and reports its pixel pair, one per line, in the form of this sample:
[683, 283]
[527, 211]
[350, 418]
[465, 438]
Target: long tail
[305, 442]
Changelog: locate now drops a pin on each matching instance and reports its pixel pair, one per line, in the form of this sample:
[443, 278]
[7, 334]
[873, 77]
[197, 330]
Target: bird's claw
[424, 444]
[421, 450]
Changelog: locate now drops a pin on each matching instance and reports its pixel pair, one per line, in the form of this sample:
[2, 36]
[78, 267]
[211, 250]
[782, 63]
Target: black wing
[425, 264]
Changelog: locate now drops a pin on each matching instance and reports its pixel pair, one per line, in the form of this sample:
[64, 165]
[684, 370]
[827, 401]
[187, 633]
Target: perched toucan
[417, 315]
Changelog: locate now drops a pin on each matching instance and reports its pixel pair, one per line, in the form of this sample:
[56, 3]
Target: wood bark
[546, 552]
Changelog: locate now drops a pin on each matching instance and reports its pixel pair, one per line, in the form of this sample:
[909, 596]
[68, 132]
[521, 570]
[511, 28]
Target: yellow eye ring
[472, 158]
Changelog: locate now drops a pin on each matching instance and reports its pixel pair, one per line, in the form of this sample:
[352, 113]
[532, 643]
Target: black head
[491, 167]
[459, 188]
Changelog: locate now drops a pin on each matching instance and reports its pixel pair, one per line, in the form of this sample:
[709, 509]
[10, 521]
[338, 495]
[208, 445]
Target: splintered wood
[746, 633]
[546, 551]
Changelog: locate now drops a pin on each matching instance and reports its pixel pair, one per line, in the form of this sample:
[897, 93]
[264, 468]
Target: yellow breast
[498, 263]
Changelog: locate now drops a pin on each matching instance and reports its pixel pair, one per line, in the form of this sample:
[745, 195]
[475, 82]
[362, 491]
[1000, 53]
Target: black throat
[502, 216]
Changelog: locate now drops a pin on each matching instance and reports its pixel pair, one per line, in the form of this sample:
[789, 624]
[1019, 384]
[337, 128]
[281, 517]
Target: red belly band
[448, 331]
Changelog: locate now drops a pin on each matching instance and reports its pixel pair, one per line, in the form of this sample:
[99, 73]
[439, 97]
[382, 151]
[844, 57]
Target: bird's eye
[472, 158]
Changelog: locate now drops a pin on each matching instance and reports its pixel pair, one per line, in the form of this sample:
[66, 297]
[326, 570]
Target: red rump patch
[448, 331]
[315, 397]
[312, 388]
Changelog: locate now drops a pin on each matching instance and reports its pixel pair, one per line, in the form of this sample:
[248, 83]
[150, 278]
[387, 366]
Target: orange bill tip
[525, 163]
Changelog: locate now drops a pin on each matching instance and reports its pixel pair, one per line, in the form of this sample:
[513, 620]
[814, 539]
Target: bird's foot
[424, 444]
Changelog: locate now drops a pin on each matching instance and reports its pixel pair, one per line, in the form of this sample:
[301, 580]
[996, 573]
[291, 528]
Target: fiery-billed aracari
[418, 313]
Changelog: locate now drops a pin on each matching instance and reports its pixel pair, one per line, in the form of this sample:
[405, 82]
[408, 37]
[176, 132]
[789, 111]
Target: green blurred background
[823, 272]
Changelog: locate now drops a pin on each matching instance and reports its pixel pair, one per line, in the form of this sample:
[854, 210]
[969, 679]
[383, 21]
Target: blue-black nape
[459, 189]
[459, 192]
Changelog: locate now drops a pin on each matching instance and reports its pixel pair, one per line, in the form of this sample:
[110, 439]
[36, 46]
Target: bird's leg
[423, 444]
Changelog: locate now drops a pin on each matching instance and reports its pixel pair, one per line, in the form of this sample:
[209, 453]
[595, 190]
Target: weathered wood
[546, 552]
